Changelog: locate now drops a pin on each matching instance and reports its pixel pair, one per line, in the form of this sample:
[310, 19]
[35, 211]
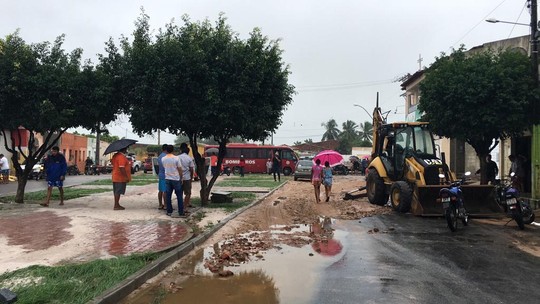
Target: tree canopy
[45, 90]
[479, 97]
[331, 130]
[203, 81]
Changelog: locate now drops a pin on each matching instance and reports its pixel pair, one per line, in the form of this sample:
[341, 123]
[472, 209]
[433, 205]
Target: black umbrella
[119, 145]
[212, 151]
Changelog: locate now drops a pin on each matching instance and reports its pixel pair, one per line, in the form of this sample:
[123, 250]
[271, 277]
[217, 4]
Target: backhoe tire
[375, 188]
[401, 196]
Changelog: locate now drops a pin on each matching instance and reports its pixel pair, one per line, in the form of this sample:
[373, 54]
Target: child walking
[327, 180]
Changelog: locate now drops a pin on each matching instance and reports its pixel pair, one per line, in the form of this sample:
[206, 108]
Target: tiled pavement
[35, 231]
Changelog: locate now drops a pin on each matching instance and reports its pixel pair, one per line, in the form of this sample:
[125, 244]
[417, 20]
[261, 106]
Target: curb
[131, 283]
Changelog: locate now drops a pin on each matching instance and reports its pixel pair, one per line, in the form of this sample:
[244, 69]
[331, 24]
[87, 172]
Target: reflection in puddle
[281, 271]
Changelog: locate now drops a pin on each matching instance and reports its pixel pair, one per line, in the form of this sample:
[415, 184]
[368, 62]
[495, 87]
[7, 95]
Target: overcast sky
[340, 52]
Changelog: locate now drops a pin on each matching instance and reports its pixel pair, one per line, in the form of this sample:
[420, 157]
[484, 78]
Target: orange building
[74, 147]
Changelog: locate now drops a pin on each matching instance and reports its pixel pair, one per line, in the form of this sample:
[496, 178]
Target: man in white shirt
[173, 176]
[188, 166]
[4, 169]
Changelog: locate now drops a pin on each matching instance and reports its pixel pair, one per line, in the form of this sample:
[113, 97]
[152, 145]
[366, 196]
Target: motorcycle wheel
[465, 219]
[518, 217]
[528, 214]
[451, 217]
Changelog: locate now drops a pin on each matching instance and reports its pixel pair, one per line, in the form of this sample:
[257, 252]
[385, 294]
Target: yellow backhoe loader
[405, 168]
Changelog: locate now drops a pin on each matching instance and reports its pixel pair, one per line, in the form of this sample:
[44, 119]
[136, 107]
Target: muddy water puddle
[282, 265]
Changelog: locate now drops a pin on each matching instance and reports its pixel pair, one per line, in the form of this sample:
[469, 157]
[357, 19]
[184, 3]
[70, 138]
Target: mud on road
[289, 209]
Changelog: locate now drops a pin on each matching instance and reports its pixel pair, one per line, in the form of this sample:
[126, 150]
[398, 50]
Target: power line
[479, 22]
[513, 27]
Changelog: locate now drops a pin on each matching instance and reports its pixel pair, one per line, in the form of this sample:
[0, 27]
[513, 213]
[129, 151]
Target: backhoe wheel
[375, 188]
[401, 196]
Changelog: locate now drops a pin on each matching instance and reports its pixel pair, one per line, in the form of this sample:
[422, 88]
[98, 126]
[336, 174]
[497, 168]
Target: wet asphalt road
[421, 261]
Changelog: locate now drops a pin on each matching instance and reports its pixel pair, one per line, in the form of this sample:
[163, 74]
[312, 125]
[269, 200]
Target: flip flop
[161, 208]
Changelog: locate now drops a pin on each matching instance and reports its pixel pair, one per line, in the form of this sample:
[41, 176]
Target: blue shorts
[161, 185]
[4, 172]
[57, 183]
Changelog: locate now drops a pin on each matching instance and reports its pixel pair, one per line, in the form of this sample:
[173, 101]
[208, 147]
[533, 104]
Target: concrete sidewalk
[87, 228]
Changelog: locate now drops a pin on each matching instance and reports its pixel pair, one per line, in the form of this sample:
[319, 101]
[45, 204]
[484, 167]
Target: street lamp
[493, 20]
[357, 105]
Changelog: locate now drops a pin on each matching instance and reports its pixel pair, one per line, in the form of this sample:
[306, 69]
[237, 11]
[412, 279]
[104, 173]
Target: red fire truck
[256, 157]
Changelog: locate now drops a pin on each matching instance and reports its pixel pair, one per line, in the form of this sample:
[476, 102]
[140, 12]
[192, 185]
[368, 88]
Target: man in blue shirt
[161, 176]
[56, 168]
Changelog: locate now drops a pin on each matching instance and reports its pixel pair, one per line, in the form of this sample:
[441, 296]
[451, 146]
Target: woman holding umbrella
[316, 178]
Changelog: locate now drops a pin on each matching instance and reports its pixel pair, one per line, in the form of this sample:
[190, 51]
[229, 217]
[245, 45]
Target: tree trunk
[21, 184]
[483, 166]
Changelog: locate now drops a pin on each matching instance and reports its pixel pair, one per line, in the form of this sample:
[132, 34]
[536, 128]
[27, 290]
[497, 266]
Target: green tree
[211, 83]
[331, 130]
[42, 90]
[366, 132]
[348, 137]
[107, 137]
[308, 141]
[479, 98]
[297, 143]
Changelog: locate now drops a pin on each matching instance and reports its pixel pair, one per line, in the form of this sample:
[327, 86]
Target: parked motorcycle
[91, 170]
[226, 170]
[453, 204]
[73, 170]
[515, 207]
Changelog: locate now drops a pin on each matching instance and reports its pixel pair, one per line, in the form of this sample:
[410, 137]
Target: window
[423, 141]
[288, 155]
[249, 153]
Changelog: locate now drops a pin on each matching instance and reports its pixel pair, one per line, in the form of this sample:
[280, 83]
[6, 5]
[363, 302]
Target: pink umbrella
[330, 156]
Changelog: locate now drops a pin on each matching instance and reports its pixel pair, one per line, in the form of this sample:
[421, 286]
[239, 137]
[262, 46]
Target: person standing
[269, 166]
[316, 178]
[56, 168]
[4, 169]
[519, 173]
[213, 164]
[188, 166]
[242, 165]
[276, 166]
[173, 176]
[491, 170]
[161, 177]
[327, 180]
[121, 175]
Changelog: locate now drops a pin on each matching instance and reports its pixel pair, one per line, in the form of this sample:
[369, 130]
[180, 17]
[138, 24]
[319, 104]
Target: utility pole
[534, 44]
[98, 139]
[159, 137]
[535, 149]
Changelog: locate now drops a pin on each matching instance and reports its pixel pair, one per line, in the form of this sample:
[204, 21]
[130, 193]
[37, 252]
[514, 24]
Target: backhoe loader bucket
[479, 201]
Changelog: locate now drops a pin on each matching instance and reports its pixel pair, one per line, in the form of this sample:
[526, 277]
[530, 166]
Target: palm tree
[332, 132]
[366, 131]
[349, 133]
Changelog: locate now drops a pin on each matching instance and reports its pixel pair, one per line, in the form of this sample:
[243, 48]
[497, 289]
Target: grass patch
[74, 283]
[69, 193]
[248, 182]
[240, 199]
[139, 180]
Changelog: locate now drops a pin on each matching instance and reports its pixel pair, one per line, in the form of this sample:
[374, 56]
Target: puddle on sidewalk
[283, 265]
[118, 238]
